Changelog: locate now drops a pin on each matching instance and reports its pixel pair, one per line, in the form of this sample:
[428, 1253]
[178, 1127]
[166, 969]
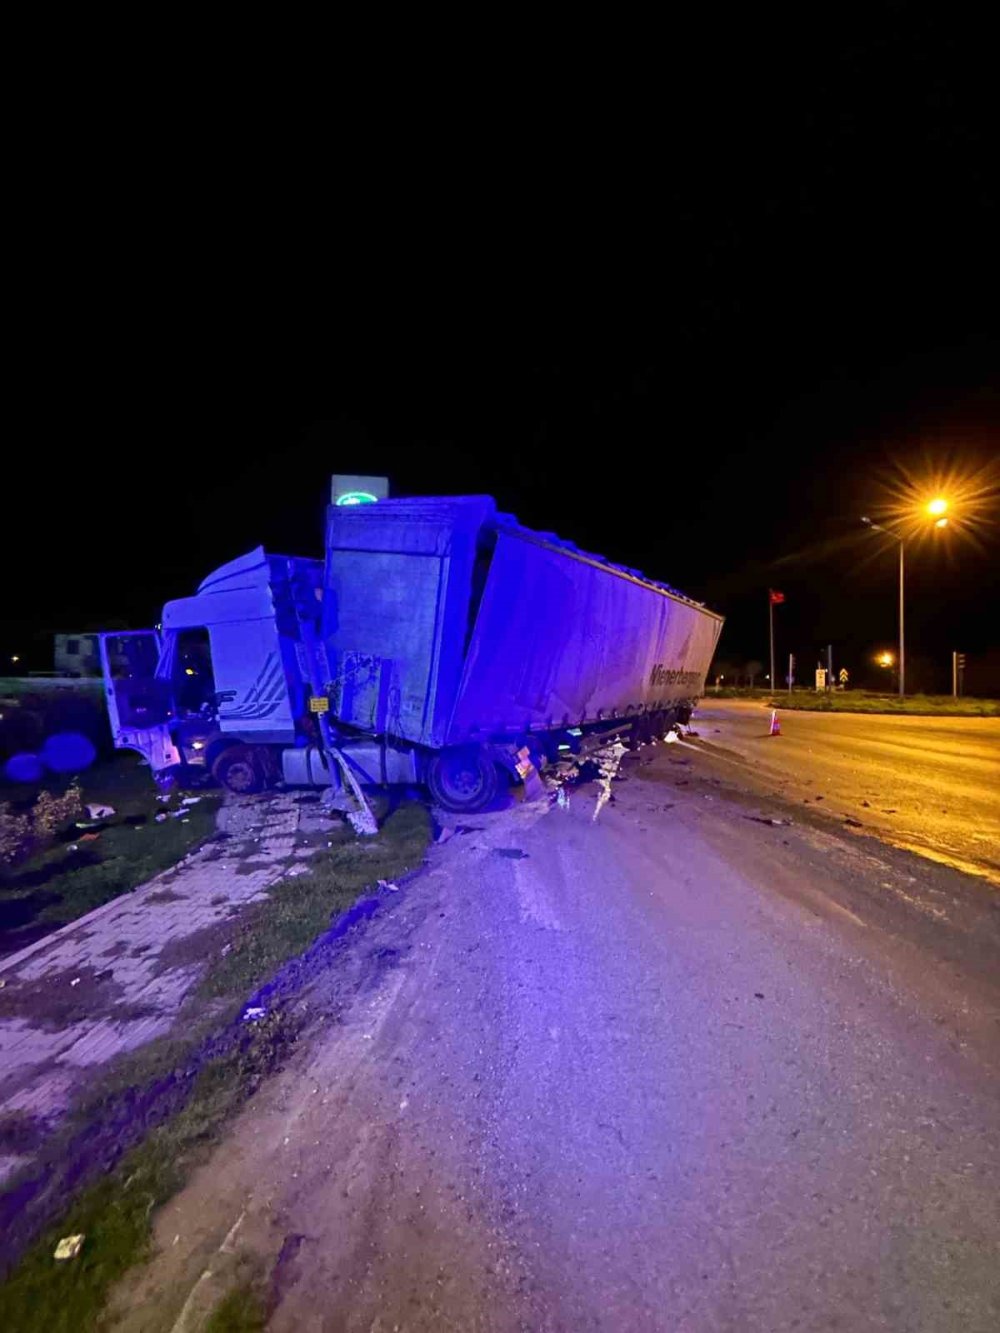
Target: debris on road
[191, 800]
[388, 886]
[68, 1248]
[769, 819]
[608, 761]
[97, 811]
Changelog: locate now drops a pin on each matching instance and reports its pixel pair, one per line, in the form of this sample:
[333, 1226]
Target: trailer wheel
[463, 779]
[237, 770]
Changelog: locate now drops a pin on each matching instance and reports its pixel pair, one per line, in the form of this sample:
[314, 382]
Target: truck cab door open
[139, 700]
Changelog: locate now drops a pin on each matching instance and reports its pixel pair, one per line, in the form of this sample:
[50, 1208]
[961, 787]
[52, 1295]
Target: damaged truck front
[436, 641]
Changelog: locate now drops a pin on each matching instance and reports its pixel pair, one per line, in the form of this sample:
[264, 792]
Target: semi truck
[438, 642]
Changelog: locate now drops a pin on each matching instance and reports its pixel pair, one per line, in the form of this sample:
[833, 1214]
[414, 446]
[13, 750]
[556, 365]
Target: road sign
[821, 678]
[843, 675]
[319, 703]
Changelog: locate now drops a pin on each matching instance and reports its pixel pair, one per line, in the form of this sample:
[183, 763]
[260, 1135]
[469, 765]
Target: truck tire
[238, 771]
[464, 779]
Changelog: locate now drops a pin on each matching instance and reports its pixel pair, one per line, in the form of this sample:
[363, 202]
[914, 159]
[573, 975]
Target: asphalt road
[928, 783]
[680, 1069]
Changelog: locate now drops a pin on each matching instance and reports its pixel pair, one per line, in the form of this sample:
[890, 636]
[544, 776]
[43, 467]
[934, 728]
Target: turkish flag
[776, 597]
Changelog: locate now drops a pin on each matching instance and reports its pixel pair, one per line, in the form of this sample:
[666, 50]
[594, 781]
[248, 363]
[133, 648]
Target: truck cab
[221, 682]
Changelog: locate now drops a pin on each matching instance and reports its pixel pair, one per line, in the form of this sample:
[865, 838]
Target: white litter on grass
[387, 884]
[160, 818]
[562, 798]
[165, 796]
[191, 800]
[97, 811]
[68, 1248]
[75, 981]
[253, 1013]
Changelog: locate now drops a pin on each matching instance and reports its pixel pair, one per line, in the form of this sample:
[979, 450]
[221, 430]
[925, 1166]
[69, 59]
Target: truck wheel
[463, 780]
[237, 770]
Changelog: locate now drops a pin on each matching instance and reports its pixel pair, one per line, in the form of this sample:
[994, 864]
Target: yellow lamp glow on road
[937, 506]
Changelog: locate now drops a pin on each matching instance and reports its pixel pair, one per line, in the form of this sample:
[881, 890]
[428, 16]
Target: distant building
[76, 655]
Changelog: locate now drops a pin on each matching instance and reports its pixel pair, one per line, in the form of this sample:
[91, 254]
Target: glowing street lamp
[885, 659]
[935, 509]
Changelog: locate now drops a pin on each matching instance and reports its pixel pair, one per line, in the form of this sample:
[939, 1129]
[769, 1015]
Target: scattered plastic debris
[562, 798]
[388, 884]
[89, 837]
[768, 819]
[608, 760]
[159, 818]
[97, 811]
[75, 981]
[191, 800]
[164, 796]
[671, 738]
[252, 1014]
[68, 1248]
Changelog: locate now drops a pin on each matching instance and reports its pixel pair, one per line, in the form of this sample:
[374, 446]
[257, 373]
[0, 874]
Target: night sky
[700, 337]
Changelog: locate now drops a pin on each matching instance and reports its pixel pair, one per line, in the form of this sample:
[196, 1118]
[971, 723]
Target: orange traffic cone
[775, 724]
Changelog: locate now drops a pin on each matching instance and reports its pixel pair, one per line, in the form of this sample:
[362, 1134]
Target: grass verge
[860, 701]
[73, 875]
[241, 1311]
[205, 1076]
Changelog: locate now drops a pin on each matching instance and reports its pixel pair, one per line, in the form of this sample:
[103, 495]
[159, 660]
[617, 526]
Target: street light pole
[902, 639]
[877, 527]
[936, 510]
